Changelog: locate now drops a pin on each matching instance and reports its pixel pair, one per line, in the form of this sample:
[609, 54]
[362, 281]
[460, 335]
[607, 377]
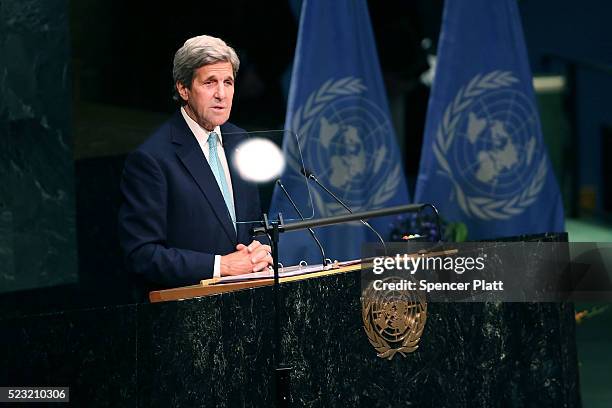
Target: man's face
[209, 100]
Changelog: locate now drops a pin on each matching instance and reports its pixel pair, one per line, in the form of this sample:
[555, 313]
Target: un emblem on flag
[347, 141]
[488, 144]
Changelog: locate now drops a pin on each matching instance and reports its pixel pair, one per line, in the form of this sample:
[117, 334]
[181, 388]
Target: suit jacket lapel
[230, 142]
[189, 152]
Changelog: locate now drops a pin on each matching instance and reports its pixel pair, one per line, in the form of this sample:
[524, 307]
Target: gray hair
[197, 52]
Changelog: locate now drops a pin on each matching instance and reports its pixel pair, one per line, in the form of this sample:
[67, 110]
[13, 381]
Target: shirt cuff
[217, 268]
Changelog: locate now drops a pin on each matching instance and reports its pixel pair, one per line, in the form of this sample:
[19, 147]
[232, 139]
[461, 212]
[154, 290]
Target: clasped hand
[252, 258]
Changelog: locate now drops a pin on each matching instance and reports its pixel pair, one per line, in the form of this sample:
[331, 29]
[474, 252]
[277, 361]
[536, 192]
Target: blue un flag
[338, 108]
[484, 161]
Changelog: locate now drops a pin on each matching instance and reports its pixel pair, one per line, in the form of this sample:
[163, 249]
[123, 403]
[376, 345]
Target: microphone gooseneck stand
[311, 176]
[299, 213]
[274, 229]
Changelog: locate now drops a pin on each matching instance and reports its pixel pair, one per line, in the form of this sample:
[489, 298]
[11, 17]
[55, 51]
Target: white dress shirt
[201, 136]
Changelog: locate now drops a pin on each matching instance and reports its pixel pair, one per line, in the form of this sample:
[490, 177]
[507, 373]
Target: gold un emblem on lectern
[394, 319]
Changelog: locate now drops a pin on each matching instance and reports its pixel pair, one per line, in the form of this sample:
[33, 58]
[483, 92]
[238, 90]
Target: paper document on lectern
[285, 272]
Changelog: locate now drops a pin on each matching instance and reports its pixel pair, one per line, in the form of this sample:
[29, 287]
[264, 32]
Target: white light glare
[259, 160]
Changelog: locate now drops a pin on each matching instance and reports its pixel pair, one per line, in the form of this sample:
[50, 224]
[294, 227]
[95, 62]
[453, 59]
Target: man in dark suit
[181, 192]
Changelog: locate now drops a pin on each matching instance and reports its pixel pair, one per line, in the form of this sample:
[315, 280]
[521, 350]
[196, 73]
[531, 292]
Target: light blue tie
[217, 169]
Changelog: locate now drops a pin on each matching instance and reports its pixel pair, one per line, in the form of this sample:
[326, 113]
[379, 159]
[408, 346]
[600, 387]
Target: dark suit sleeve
[143, 228]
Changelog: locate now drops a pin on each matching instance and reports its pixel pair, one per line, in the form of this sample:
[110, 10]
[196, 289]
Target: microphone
[282, 187]
[310, 175]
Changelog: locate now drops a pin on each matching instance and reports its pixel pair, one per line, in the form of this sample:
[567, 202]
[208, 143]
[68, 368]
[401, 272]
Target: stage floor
[593, 335]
